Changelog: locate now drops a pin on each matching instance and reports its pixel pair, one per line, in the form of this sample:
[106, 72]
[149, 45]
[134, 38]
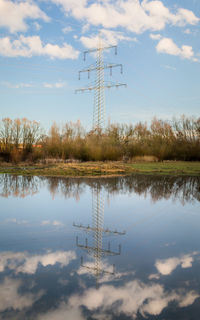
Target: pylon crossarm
[89, 228]
[100, 251]
[108, 86]
[101, 67]
[97, 270]
[98, 49]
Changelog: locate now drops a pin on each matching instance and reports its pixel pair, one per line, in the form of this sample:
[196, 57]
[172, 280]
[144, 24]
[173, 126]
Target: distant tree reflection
[18, 186]
[177, 188]
[69, 188]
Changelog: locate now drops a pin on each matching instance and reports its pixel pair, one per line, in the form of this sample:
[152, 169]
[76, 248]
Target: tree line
[25, 140]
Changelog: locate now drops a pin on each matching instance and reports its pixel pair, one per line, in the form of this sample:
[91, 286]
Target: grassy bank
[104, 168]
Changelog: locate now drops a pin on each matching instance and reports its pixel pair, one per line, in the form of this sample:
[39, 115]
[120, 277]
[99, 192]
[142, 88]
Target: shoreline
[103, 169]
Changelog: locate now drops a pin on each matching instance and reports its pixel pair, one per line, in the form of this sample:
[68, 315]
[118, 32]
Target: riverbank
[85, 169]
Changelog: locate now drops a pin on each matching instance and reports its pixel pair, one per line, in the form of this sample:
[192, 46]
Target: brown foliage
[178, 139]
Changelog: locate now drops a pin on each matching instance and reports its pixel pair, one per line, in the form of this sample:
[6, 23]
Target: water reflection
[133, 300]
[15, 302]
[97, 230]
[18, 186]
[167, 266]
[23, 262]
[40, 273]
[180, 188]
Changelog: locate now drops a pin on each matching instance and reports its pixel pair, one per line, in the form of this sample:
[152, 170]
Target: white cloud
[129, 299]
[63, 312]
[31, 263]
[174, 69]
[134, 296]
[11, 298]
[187, 31]
[9, 259]
[56, 85]
[45, 222]
[67, 29]
[108, 38]
[26, 263]
[33, 46]
[104, 277]
[13, 14]
[133, 15]
[14, 220]
[37, 26]
[188, 299]
[85, 28]
[167, 266]
[167, 45]
[154, 276]
[22, 85]
[53, 223]
[186, 17]
[154, 36]
[17, 85]
[56, 222]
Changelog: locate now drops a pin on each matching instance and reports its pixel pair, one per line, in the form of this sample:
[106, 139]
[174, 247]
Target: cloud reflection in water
[26, 263]
[133, 297]
[60, 293]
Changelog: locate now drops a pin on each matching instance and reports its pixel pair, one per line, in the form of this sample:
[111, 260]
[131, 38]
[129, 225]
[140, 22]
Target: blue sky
[41, 45]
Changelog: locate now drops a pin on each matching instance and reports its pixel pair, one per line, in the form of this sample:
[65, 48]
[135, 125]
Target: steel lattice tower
[100, 84]
[97, 230]
[99, 95]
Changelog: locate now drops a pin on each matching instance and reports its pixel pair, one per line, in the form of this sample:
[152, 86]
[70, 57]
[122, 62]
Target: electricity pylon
[99, 85]
[97, 230]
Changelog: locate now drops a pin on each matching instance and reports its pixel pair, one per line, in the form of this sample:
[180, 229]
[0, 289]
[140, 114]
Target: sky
[41, 52]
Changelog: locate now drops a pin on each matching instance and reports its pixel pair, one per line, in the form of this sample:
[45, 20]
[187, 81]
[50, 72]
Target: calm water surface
[116, 248]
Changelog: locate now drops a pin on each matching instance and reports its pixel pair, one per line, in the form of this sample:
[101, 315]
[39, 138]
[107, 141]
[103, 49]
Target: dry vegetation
[23, 140]
[98, 168]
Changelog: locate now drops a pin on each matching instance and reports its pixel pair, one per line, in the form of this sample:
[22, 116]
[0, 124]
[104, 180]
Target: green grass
[173, 168]
[104, 169]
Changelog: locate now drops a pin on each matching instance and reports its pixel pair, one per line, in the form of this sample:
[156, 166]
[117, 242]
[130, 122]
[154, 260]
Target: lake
[110, 248]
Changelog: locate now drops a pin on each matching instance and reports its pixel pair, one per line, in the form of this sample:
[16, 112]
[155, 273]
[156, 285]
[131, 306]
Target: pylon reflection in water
[97, 230]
